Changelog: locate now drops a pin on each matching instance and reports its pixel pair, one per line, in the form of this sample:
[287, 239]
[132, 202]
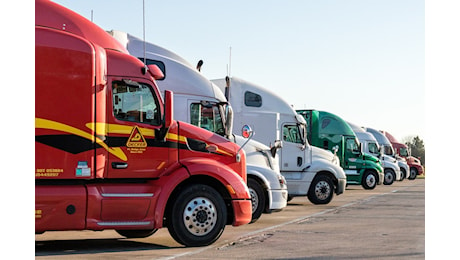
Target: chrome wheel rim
[254, 199]
[388, 177]
[200, 216]
[322, 190]
[370, 180]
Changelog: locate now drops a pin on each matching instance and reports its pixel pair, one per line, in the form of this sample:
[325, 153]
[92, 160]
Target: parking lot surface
[385, 223]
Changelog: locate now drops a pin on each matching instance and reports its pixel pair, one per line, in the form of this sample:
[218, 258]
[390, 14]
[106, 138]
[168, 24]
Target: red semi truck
[402, 150]
[108, 154]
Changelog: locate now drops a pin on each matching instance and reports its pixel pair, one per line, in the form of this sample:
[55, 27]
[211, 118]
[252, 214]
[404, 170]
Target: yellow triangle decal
[136, 139]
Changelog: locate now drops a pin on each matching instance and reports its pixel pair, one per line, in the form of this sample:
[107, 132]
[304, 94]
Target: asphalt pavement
[385, 223]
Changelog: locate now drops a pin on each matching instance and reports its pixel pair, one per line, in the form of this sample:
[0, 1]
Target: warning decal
[136, 139]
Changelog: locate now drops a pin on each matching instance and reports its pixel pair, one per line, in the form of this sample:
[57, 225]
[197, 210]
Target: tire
[413, 173]
[403, 173]
[369, 181]
[389, 177]
[321, 190]
[198, 216]
[257, 197]
[128, 233]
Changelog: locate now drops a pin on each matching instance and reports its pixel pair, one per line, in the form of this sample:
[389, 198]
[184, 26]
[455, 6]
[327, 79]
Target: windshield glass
[353, 146]
[403, 151]
[373, 148]
[388, 150]
[208, 116]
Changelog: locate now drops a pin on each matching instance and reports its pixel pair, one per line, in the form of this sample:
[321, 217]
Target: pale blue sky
[360, 59]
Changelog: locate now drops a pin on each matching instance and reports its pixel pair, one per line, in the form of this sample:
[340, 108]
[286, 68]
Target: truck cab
[108, 152]
[388, 151]
[402, 153]
[371, 146]
[200, 102]
[309, 171]
[329, 131]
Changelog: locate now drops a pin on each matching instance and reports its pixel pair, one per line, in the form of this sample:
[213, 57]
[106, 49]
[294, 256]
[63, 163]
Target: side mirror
[229, 120]
[169, 104]
[275, 147]
[248, 133]
[335, 149]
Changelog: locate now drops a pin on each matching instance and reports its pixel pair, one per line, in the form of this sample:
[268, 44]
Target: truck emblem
[136, 139]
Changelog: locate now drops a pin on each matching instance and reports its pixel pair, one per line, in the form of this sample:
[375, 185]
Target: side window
[135, 102]
[388, 150]
[403, 151]
[291, 134]
[373, 148]
[352, 146]
[252, 99]
[208, 117]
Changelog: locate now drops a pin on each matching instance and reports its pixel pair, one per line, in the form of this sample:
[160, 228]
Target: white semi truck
[199, 102]
[388, 149]
[309, 171]
[371, 146]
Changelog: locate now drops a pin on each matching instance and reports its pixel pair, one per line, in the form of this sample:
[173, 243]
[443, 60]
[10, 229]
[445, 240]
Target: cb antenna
[229, 68]
[143, 29]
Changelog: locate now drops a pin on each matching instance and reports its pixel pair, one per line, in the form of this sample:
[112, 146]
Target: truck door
[292, 151]
[351, 153]
[134, 117]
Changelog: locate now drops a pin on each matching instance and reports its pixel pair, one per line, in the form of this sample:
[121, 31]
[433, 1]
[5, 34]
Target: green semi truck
[329, 131]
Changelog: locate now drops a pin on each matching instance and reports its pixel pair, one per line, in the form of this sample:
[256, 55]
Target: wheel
[403, 173]
[257, 197]
[321, 190]
[369, 180]
[290, 198]
[198, 216]
[413, 173]
[136, 233]
[389, 177]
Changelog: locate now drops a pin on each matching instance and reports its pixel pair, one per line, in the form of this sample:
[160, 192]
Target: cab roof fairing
[52, 15]
[272, 102]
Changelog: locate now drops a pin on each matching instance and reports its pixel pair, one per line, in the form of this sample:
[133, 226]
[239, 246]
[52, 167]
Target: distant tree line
[417, 147]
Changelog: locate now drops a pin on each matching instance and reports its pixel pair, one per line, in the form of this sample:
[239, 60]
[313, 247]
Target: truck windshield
[388, 150]
[207, 115]
[135, 102]
[373, 148]
[403, 151]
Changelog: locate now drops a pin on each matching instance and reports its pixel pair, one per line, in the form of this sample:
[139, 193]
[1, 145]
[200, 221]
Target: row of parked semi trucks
[113, 152]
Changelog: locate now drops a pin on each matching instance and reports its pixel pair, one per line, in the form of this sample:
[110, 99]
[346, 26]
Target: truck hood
[201, 140]
[388, 158]
[193, 140]
[369, 157]
[319, 153]
[257, 153]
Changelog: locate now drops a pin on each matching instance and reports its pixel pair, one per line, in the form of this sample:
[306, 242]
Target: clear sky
[360, 59]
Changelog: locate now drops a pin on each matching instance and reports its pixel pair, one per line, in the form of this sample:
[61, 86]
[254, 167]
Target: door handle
[119, 165]
[299, 161]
